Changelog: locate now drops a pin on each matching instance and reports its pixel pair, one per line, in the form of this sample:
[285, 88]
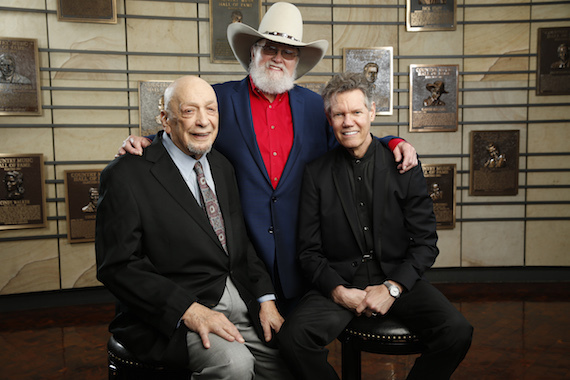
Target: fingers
[398, 152]
[267, 334]
[133, 145]
[409, 159]
[205, 339]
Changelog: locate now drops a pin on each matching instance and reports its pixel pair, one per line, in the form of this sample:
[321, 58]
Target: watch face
[394, 292]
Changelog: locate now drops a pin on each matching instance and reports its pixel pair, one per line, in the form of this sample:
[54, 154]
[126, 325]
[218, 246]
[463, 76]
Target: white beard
[270, 81]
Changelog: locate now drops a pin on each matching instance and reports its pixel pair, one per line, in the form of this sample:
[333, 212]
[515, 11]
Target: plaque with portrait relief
[19, 77]
[441, 187]
[431, 15]
[97, 11]
[494, 164]
[224, 13]
[151, 103]
[22, 193]
[377, 65]
[553, 65]
[433, 98]
[81, 196]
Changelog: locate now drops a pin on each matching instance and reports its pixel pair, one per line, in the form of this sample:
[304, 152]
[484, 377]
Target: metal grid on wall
[397, 121]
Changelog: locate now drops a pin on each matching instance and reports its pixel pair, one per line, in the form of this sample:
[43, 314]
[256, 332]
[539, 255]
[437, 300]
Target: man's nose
[201, 118]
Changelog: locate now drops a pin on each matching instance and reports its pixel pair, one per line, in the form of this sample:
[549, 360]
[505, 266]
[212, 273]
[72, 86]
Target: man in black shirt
[366, 236]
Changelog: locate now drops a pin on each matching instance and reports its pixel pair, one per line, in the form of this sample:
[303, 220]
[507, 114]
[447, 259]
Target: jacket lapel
[342, 186]
[381, 184]
[298, 116]
[167, 174]
[242, 109]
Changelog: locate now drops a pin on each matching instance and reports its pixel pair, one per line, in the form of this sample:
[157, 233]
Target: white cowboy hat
[283, 24]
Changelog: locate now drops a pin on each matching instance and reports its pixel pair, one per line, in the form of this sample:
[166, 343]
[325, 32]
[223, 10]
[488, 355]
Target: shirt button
[270, 106]
[361, 204]
[366, 228]
[357, 161]
[274, 154]
[272, 127]
[276, 179]
[359, 178]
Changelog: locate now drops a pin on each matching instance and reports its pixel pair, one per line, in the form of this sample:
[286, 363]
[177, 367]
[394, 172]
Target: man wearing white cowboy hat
[269, 130]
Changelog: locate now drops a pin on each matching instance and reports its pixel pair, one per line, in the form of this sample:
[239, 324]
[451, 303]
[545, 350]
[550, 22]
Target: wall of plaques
[481, 89]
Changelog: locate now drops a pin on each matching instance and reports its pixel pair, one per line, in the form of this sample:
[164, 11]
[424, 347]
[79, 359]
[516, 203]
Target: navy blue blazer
[271, 214]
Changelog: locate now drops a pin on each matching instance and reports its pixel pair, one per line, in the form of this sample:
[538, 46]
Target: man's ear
[165, 121]
[373, 111]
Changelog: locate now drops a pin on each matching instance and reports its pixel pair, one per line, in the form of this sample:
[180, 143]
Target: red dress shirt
[273, 125]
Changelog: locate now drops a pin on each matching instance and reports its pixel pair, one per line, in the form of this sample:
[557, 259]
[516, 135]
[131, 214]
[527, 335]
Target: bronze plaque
[377, 64]
[430, 15]
[98, 11]
[441, 187]
[553, 76]
[494, 163]
[151, 102]
[19, 77]
[433, 98]
[81, 196]
[224, 13]
[22, 194]
[317, 87]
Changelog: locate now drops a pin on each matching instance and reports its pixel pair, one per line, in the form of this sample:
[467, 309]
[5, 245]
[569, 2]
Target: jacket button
[354, 263]
[270, 230]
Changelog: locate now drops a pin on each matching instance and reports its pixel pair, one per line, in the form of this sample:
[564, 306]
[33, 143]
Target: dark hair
[344, 82]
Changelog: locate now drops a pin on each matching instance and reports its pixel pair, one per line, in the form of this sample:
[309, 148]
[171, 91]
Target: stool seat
[123, 365]
[381, 335]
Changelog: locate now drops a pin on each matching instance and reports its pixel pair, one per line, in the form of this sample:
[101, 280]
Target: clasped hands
[373, 300]
[203, 321]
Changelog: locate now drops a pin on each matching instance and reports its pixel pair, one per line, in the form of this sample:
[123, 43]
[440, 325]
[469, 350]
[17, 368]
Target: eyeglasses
[272, 51]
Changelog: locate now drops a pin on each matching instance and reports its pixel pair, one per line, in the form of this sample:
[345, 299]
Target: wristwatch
[392, 289]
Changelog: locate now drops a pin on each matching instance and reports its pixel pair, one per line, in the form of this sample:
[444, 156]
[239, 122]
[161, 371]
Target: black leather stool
[124, 366]
[381, 335]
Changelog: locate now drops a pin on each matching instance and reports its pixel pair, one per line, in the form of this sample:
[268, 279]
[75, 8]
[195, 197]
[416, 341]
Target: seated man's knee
[230, 366]
[459, 332]
[223, 360]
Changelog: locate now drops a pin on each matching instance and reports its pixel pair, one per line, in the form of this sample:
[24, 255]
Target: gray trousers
[233, 360]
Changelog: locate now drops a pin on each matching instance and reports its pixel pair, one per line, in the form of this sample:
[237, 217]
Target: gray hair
[344, 82]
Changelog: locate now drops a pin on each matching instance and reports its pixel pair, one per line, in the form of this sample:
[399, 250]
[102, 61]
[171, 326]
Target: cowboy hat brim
[241, 38]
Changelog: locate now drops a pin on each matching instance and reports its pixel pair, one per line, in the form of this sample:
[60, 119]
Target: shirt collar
[367, 156]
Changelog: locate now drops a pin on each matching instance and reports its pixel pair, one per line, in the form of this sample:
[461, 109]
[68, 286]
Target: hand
[270, 319]
[348, 298]
[134, 145]
[406, 153]
[377, 301]
[202, 320]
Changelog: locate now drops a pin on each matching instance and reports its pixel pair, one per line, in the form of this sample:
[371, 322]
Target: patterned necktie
[211, 206]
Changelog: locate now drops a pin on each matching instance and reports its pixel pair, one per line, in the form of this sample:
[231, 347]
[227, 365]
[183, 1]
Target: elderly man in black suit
[366, 236]
[172, 247]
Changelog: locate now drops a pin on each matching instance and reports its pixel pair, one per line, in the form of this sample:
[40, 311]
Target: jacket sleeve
[420, 230]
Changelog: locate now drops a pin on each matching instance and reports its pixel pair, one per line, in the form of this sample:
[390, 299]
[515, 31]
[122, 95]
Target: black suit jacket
[157, 253]
[404, 225]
